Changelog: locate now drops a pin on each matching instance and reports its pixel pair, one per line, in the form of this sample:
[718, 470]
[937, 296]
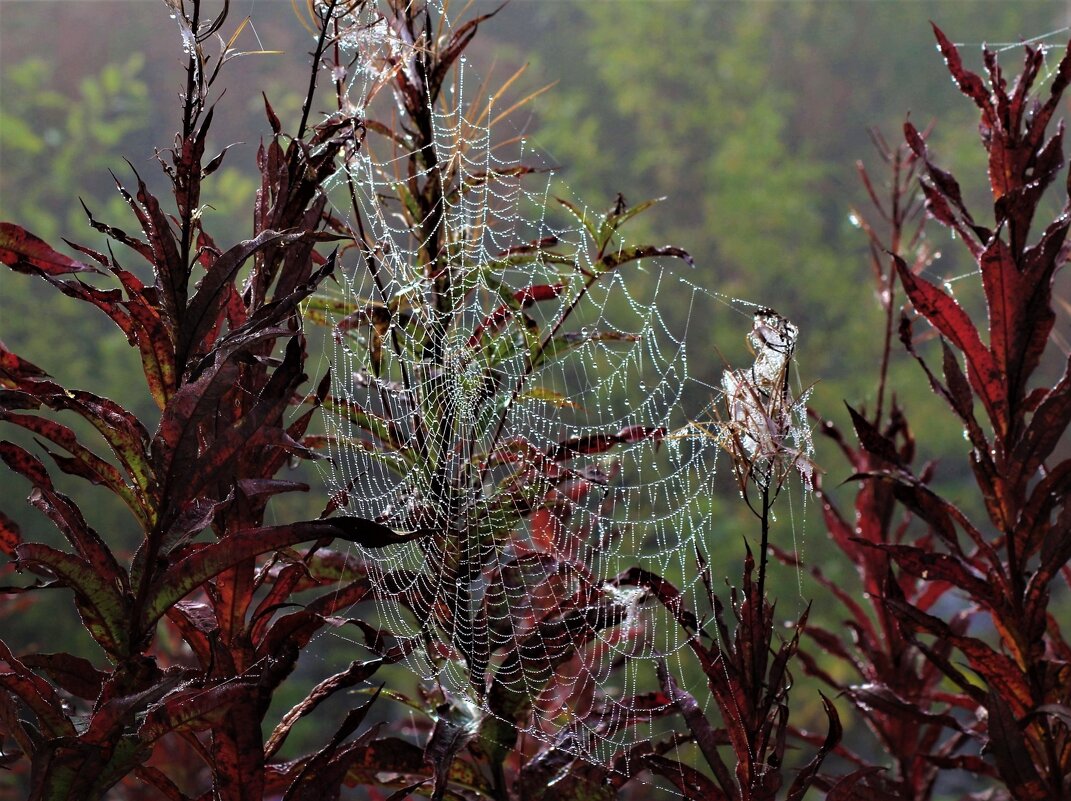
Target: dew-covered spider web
[519, 401]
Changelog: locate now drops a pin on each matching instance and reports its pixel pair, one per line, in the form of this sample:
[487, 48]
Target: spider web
[530, 418]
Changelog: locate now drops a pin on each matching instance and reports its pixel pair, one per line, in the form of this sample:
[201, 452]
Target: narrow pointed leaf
[24, 252]
[206, 563]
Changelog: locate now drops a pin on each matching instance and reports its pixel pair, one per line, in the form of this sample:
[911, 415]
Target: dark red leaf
[693, 784]
[194, 709]
[273, 119]
[85, 463]
[119, 235]
[885, 700]
[845, 787]
[205, 563]
[1000, 671]
[948, 317]
[969, 83]
[169, 265]
[1047, 427]
[35, 693]
[356, 673]
[323, 774]
[24, 252]
[931, 565]
[207, 302]
[104, 609]
[807, 776]
[156, 778]
[10, 536]
[1008, 746]
[69, 672]
[872, 440]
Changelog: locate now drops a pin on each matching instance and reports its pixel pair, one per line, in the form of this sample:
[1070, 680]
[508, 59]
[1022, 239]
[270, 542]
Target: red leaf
[238, 754]
[872, 440]
[932, 565]
[533, 294]
[24, 252]
[85, 463]
[190, 572]
[273, 119]
[1008, 746]
[10, 536]
[157, 350]
[1047, 427]
[357, 672]
[205, 305]
[968, 83]
[25, 464]
[71, 673]
[198, 464]
[948, 317]
[105, 611]
[700, 727]
[1006, 289]
[693, 784]
[807, 776]
[546, 528]
[192, 710]
[35, 693]
[168, 264]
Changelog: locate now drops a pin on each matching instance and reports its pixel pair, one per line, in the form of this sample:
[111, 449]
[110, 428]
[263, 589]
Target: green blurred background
[748, 116]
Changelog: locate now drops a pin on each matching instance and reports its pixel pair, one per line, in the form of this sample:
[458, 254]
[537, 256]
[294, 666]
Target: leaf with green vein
[190, 572]
[104, 608]
[24, 252]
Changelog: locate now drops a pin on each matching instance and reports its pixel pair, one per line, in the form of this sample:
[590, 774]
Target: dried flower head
[763, 428]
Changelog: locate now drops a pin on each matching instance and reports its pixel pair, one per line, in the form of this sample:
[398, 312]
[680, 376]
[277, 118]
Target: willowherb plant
[220, 336]
[223, 357]
[482, 544]
[936, 697]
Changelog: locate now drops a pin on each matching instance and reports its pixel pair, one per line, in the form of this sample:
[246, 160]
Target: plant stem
[306, 106]
[764, 545]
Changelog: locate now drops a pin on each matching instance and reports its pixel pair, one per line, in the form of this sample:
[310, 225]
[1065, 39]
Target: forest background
[749, 117]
